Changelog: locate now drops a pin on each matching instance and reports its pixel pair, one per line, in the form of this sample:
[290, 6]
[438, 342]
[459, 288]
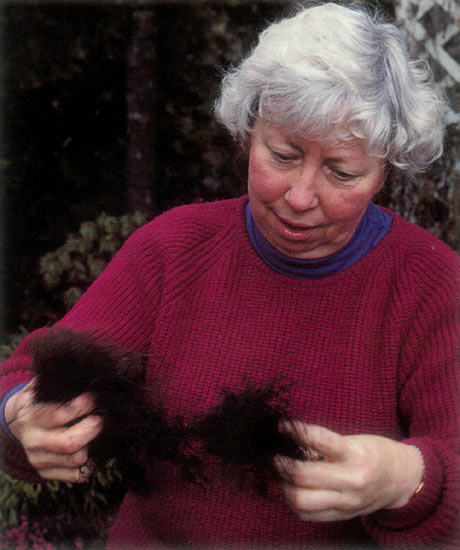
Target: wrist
[414, 477]
[422, 478]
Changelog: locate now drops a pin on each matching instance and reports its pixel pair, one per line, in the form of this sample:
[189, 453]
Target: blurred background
[106, 121]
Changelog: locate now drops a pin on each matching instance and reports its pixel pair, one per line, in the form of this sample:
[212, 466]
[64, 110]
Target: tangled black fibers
[135, 431]
[242, 431]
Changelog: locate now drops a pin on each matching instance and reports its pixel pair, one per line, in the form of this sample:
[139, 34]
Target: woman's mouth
[293, 231]
[296, 227]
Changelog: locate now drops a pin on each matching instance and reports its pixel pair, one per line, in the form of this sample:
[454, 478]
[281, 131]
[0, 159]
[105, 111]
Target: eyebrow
[289, 141]
[339, 159]
[294, 146]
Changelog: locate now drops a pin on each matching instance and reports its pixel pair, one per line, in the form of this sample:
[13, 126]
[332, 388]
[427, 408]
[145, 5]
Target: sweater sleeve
[119, 307]
[429, 409]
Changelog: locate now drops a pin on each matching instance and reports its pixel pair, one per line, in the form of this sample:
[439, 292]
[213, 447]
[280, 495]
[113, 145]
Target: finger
[73, 475]
[60, 415]
[311, 475]
[79, 435]
[287, 468]
[325, 515]
[323, 505]
[50, 416]
[42, 460]
[331, 514]
[319, 500]
[328, 444]
[64, 440]
[311, 500]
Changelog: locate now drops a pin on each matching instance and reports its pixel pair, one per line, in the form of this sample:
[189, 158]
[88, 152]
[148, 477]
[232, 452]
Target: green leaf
[88, 231]
[70, 296]
[96, 265]
[52, 486]
[12, 517]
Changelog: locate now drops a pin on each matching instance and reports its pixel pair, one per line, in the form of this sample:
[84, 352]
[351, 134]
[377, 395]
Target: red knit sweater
[373, 349]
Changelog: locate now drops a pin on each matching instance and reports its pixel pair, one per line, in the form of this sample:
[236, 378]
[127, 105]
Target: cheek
[346, 207]
[263, 184]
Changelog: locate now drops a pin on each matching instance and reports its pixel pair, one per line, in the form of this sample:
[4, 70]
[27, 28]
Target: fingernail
[85, 471]
[310, 454]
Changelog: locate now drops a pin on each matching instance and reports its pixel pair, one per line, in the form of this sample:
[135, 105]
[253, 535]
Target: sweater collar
[373, 226]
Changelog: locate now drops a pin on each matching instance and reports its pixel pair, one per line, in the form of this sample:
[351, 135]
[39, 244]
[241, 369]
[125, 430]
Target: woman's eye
[343, 176]
[283, 158]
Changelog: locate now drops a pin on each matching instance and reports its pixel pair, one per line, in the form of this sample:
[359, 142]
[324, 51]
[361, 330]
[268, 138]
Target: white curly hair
[332, 68]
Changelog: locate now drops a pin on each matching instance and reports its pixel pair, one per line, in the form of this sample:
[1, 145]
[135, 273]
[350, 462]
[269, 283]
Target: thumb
[316, 440]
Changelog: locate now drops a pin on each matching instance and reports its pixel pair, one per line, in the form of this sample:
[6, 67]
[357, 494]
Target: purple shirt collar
[373, 226]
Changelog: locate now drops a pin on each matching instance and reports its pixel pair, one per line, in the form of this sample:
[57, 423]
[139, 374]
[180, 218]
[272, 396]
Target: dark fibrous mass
[241, 432]
[135, 430]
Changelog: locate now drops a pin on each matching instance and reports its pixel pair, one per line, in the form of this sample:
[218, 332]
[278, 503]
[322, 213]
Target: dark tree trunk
[141, 101]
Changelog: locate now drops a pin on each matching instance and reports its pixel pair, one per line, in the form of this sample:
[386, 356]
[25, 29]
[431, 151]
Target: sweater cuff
[3, 401]
[422, 505]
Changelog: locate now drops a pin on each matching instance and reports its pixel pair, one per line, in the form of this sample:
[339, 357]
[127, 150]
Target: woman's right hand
[55, 447]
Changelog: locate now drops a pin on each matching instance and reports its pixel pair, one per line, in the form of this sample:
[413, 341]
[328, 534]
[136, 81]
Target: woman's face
[307, 197]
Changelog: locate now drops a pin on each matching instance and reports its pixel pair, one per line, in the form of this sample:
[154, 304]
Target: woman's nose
[301, 193]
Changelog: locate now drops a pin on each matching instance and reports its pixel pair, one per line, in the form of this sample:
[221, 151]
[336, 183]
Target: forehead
[336, 140]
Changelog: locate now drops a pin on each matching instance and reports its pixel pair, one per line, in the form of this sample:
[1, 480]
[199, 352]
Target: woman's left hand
[356, 475]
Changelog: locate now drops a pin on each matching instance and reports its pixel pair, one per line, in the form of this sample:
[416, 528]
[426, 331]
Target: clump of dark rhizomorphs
[243, 432]
[136, 430]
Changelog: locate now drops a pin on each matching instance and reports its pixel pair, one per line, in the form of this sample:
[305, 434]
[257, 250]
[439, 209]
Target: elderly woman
[306, 281]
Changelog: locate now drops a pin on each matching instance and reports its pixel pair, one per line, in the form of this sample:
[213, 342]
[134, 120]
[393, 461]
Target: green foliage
[12, 342]
[59, 513]
[67, 272]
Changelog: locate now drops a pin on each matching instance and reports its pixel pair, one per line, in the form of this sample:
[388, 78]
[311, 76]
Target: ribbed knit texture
[373, 349]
